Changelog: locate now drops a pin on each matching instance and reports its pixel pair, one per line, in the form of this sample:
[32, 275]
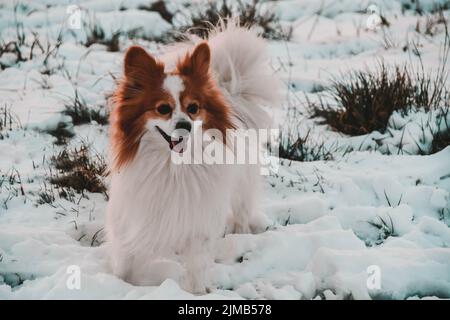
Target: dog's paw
[259, 223]
[242, 228]
[195, 285]
[156, 272]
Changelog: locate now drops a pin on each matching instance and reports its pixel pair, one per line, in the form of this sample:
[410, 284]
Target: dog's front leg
[198, 259]
[120, 263]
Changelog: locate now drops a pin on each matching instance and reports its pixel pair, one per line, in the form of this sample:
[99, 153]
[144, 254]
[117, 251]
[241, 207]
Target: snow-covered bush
[392, 109]
[81, 113]
[78, 170]
[8, 121]
[250, 13]
[366, 100]
[423, 6]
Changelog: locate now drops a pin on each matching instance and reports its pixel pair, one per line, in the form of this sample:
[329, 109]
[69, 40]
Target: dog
[163, 218]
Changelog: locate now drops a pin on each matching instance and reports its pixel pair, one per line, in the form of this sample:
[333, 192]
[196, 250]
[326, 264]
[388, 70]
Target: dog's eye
[192, 108]
[164, 109]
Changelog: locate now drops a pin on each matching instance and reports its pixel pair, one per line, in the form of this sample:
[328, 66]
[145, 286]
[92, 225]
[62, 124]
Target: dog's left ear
[200, 58]
[196, 64]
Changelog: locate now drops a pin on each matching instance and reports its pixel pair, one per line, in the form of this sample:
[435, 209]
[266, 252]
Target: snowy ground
[331, 221]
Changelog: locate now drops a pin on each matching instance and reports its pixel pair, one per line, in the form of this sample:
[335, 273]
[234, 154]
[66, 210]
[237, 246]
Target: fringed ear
[200, 58]
[139, 66]
[197, 64]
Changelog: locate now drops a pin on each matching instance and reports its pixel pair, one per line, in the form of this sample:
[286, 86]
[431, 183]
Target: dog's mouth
[178, 145]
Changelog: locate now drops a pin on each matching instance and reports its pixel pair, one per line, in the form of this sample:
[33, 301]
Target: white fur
[240, 65]
[174, 85]
[163, 218]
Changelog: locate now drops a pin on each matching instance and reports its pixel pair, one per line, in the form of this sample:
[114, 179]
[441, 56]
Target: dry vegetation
[249, 14]
[82, 114]
[78, 170]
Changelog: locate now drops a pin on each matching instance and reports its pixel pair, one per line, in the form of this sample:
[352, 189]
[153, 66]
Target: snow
[328, 221]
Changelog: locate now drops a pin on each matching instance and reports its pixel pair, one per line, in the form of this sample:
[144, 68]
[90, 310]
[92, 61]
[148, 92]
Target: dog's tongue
[177, 145]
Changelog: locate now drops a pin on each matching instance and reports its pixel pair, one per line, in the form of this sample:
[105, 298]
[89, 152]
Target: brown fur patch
[200, 86]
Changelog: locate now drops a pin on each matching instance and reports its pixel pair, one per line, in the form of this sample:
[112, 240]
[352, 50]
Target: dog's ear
[140, 66]
[200, 58]
[197, 64]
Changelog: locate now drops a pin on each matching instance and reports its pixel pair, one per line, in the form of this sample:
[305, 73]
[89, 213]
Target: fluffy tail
[241, 68]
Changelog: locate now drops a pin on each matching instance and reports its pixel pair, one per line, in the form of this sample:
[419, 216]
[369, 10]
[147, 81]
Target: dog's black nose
[183, 124]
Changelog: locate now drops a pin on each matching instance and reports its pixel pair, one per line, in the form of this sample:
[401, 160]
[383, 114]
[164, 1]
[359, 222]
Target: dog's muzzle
[176, 144]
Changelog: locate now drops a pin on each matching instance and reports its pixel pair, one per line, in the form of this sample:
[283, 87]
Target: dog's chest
[173, 203]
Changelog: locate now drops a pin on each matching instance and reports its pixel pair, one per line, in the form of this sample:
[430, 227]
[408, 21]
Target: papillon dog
[163, 217]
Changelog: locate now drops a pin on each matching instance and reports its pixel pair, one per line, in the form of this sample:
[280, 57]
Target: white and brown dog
[160, 211]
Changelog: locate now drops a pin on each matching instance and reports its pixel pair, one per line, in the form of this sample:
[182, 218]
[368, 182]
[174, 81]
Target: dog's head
[165, 104]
